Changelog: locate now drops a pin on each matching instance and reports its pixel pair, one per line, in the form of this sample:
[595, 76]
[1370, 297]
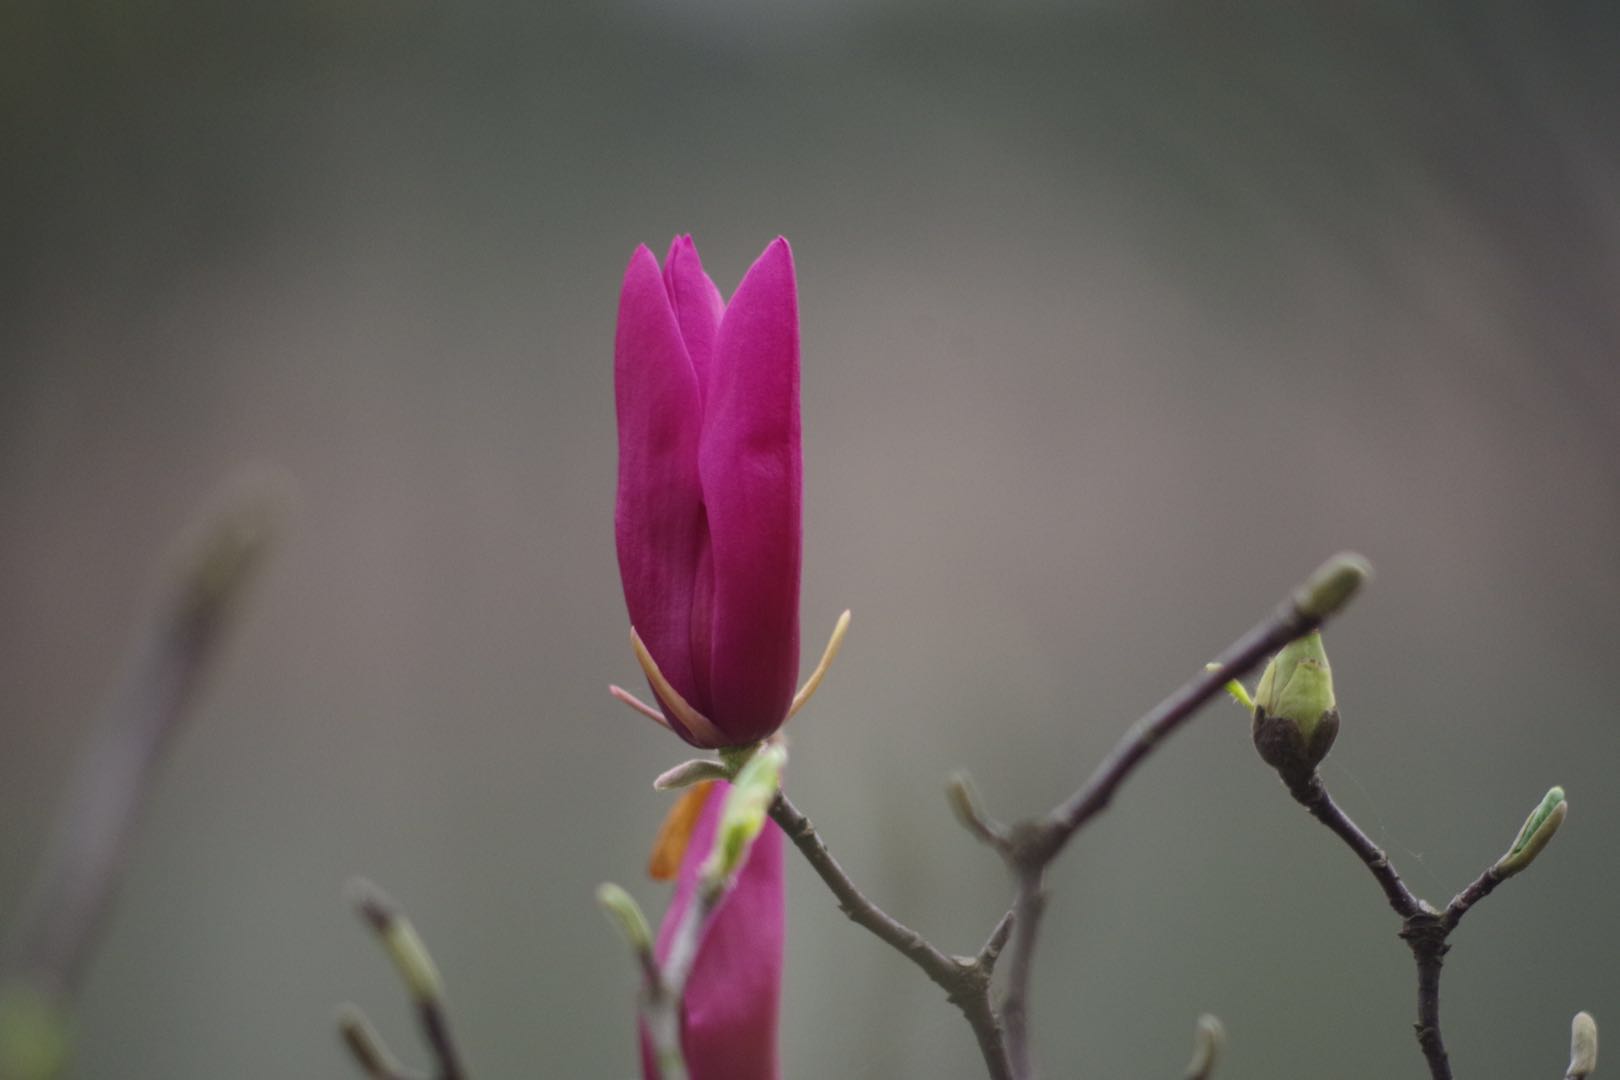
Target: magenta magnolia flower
[710, 468]
[728, 1019]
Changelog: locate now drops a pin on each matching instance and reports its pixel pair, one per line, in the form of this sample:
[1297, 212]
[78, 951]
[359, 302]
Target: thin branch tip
[969, 811]
[1209, 1039]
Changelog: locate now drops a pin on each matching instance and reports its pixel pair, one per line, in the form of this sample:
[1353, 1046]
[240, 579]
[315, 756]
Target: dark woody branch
[1028, 847]
[1425, 929]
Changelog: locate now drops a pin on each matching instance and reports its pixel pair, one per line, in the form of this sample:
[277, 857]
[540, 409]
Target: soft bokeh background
[1118, 317]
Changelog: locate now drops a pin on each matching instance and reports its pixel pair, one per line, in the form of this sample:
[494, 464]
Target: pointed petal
[658, 520]
[730, 1017]
[697, 304]
[751, 465]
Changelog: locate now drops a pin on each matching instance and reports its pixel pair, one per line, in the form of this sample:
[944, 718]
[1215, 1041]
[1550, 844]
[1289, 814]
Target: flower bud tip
[1535, 834]
[1330, 588]
[1209, 1039]
[399, 939]
[229, 540]
[964, 800]
[370, 903]
[1583, 1047]
[365, 1045]
[625, 914]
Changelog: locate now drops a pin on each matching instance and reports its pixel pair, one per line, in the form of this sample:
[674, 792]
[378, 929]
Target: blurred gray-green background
[1117, 318]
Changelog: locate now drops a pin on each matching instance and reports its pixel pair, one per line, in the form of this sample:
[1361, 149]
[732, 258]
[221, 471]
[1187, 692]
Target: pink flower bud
[708, 520]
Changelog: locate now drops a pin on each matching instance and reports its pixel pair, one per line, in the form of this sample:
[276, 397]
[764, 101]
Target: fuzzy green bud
[1209, 1038]
[964, 800]
[365, 1045]
[1332, 586]
[1534, 835]
[625, 914]
[1583, 1047]
[1296, 717]
[743, 816]
[399, 939]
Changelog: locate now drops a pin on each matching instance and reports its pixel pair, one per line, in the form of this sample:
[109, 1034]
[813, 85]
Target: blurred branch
[421, 978]
[47, 947]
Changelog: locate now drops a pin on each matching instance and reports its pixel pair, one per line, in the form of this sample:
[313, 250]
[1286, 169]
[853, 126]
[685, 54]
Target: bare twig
[1028, 847]
[1422, 927]
[47, 947]
[1477, 890]
[1425, 929]
[1313, 796]
[965, 980]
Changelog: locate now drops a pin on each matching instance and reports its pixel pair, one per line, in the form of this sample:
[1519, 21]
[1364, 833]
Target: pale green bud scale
[743, 817]
[623, 911]
[1583, 1047]
[1537, 831]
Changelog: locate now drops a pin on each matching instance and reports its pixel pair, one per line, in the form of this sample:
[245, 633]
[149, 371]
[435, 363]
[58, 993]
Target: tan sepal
[676, 832]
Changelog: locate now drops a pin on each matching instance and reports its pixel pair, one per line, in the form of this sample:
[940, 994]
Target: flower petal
[659, 519]
[751, 465]
[729, 1021]
[697, 304]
